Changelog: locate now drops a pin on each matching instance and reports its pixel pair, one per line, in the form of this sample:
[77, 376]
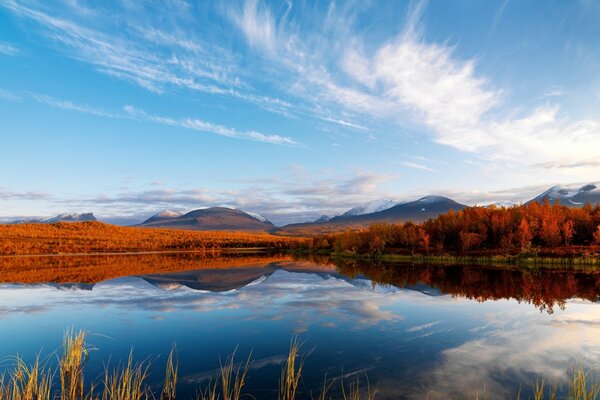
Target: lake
[414, 331]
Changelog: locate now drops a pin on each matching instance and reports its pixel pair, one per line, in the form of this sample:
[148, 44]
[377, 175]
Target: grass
[575, 263]
[129, 381]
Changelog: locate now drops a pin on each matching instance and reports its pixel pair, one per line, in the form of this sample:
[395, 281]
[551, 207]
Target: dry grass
[291, 371]
[71, 366]
[169, 391]
[354, 391]
[26, 382]
[583, 385]
[128, 381]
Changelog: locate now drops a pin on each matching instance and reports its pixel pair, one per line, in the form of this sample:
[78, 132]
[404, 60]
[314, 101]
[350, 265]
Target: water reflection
[416, 330]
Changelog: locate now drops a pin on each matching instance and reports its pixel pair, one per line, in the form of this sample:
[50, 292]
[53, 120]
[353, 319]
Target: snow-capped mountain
[256, 216]
[164, 215]
[73, 217]
[370, 207]
[571, 196]
[322, 218]
[212, 218]
[505, 204]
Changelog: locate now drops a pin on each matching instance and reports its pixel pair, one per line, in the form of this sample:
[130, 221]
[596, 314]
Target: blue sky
[292, 110]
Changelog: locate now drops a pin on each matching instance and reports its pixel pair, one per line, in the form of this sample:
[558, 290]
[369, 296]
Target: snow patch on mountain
[168, 214]
[256, 216]
[431, 199]
[570, 194]
[370, 207]
[323, 218]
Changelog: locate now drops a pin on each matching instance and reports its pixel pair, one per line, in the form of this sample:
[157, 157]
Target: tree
[425, 239]
[597, 235]
[524, 234]
[568, 230]
[550, 231]
[469, 240]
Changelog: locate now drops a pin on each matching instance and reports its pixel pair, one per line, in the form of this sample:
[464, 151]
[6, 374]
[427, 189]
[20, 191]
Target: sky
[292, 109]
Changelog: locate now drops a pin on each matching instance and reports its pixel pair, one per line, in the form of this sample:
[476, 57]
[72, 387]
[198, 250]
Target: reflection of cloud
[523, 347]
[212, 375]
[304, 300]
[422, 327]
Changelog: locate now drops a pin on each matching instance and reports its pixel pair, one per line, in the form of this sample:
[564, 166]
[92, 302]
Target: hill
[210, 219]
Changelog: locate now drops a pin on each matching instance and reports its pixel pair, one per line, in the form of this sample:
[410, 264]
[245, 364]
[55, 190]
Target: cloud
[257, 23]
[201, 125]
[8, 49]
[131, 112]
[68, 105]
[156, 59]
[30, 195]
[411, 164]
[410, 79]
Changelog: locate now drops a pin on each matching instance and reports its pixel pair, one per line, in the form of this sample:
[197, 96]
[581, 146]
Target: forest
[534, 228]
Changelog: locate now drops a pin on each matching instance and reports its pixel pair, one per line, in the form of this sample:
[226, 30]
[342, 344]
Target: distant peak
[323, 218]
[168, 213]
[370, 207]
[432, 199]
[256, 216]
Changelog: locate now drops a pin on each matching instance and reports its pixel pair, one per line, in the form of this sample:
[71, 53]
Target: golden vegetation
[97, 237]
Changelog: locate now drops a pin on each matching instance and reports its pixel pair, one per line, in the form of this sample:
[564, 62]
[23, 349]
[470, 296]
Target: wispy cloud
[410, 79]
[29, 195]
[131, 112]
[201, 125]
[156, 59]
[8, 49]
[415, 165]
[68, 105]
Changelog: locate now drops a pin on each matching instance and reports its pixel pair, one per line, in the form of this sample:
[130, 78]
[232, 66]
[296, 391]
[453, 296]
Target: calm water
[415, 331]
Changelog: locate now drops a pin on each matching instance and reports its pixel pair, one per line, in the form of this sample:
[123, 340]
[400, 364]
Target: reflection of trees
[93, 269]
[545, 289]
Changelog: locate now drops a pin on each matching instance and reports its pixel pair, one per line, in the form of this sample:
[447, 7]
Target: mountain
[210, 219]
[323, 218]
[58, 218]
[370, 207]
[416, 211]
[165, 215]
[499, 204]
[570, 196]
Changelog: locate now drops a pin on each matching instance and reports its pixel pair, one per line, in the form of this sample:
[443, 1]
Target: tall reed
[169, 391]
[71, 366]
[291, 371]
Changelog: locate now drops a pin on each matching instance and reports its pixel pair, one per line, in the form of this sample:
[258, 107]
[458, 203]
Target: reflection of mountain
[221, 280]
[543, 288]
[212, 280]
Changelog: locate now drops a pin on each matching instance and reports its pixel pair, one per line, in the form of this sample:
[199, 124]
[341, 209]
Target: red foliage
[553, 229]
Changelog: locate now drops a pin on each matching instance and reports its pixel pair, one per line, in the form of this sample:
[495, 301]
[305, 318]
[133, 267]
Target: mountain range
[384, 210]
[570, 197]
[416, 211]
[58, 218]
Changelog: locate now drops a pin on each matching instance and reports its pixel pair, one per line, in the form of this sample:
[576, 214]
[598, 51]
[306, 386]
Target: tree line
[554, 229]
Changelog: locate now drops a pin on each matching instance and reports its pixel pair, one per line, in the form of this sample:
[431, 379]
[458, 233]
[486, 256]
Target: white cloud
[8, 49]
[410, 79]
[415, 165]
[257, 23]
[204, 126]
